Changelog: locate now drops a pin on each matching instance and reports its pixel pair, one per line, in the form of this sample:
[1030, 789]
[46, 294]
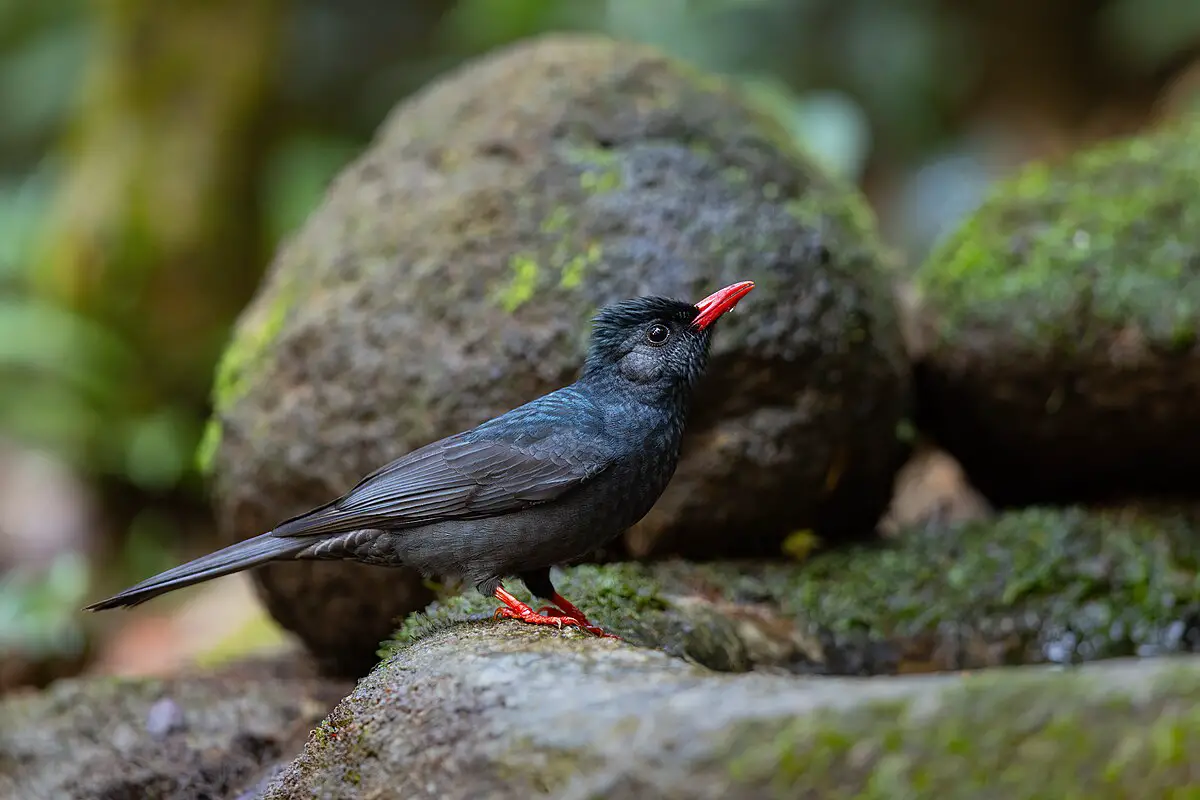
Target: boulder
[1058, 357]
[467, 713]
[450, 275]
[210, 735]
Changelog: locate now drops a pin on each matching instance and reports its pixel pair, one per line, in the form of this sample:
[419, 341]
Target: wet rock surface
[481, 712]
[1058, 358]
[210, 735]
[450, 275]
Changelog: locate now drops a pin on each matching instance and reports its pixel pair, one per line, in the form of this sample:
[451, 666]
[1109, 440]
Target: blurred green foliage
[39, 610]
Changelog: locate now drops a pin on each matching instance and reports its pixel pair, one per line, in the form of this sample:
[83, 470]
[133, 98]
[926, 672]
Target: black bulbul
[543, 484]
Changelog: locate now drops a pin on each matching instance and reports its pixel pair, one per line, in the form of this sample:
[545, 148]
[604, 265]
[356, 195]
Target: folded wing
[532, 455]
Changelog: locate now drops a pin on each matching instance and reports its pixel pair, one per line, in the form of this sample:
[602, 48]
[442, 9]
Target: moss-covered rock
[1039, 585]
[666, 606]
[1122, 731]
[212, 735]
[1060, 357]
[515, 712]
[450, 275]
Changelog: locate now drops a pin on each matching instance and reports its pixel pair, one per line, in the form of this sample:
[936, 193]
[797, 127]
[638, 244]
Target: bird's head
[657, 344]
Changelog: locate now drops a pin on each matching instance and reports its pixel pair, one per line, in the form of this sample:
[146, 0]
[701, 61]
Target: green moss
[574, 270]
[629, 600]
[590, 155]
[556, 221]
[210, 442]
[338, 745]
[1032, 735]
[1031, 586]
[600, 168]
[620, 595]
[441, 614]
[251, 342]
[600, 180]
[615, 590]
[1067, 254]
[521, 285]
[527, 274]
[249, 345]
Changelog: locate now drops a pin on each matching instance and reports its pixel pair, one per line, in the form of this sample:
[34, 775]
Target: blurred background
[153, 155]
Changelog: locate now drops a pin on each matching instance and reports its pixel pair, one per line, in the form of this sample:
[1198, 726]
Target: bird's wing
[531, 455]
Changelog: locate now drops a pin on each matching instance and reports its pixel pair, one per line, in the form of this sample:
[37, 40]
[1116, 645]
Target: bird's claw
[584, 624]
[595, 630]
[546, 615]
[534, 618]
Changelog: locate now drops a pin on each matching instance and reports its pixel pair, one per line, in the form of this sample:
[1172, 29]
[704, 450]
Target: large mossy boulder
[1059, 356]
[450, 275]
[469, 713]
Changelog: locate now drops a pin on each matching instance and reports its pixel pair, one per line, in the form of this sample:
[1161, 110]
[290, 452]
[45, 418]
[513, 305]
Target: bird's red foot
[532, 617]
[515, 609]
[569, 611]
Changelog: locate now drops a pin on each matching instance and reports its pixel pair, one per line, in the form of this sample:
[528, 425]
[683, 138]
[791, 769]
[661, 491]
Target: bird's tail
[235, 558]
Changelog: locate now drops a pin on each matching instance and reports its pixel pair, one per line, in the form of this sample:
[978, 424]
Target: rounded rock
[1058, 354]
[450, 275]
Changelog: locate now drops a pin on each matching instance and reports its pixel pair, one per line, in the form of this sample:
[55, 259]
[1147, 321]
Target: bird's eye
[657, 333]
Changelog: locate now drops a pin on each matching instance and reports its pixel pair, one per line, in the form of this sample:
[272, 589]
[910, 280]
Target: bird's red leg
[515, 609]
[569, 611]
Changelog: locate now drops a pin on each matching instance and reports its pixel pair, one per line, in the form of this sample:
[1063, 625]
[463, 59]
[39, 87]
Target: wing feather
[533, 454]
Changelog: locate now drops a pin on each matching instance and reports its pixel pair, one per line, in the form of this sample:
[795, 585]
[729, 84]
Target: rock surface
[733, 681]
[932, 489]
[193, 736]
[1060, 357]
[506, 711]
[450, 274]
[1035, 586]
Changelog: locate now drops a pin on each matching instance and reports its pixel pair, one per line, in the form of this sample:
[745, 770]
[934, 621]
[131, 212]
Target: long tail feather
[235, 558]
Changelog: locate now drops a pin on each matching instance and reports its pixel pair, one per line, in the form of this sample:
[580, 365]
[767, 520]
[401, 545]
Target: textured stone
[210, 735]
[469, 713]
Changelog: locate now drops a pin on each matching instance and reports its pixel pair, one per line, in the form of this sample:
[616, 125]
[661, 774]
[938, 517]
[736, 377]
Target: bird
[541, 485]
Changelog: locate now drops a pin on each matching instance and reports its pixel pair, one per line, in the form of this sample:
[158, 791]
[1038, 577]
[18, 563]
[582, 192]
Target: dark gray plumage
[543, 484]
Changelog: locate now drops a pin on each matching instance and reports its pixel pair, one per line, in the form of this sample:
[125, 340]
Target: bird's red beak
[719, 302]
